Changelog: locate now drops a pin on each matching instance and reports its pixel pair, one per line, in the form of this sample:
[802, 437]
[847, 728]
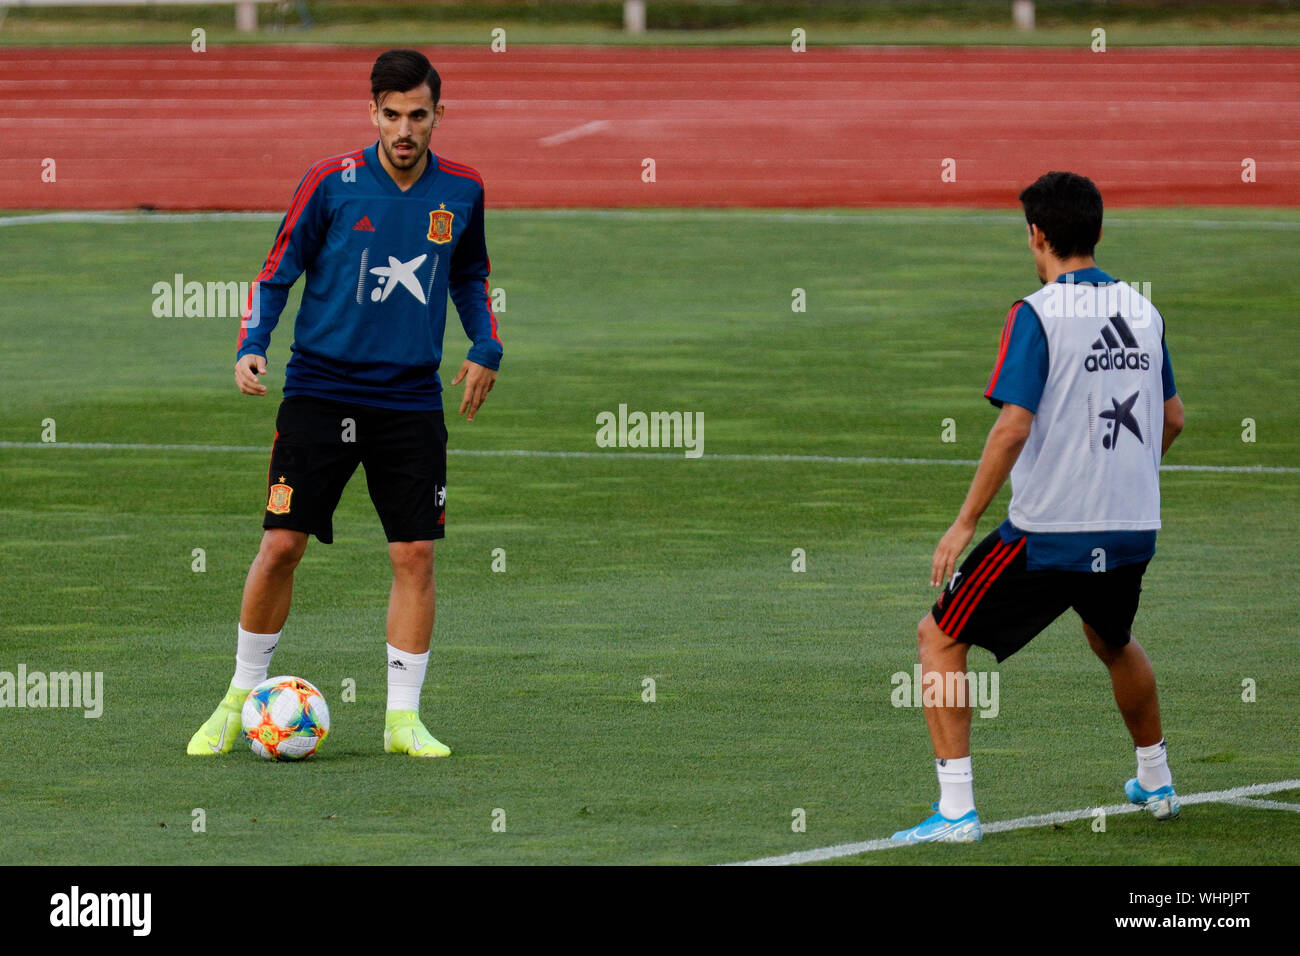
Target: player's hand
[479, 380]
[246, 371]
[951, 545]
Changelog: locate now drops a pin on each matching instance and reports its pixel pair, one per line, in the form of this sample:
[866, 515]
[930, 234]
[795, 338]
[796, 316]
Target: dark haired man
[384, 234]
[1088, 408]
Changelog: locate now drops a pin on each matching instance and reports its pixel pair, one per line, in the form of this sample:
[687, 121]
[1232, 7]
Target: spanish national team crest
[278, 503]
[440, 224]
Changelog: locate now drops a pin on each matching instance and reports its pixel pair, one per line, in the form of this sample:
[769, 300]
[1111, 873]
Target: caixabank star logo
[1120, 415]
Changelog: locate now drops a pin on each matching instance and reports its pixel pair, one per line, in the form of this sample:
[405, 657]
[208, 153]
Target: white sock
[956, 787]
[405, 678]
[1153, 767]
[253, 658]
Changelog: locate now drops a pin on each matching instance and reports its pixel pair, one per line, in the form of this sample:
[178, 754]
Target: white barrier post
[1022, 13]
[246, 16]
[634, 16]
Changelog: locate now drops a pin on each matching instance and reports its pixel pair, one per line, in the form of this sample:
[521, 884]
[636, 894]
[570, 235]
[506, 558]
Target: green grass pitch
[772, 687]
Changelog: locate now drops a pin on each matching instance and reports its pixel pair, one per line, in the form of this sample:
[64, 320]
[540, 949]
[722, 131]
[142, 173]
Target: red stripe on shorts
[981, 569]
[272, 461]
[1002, 566]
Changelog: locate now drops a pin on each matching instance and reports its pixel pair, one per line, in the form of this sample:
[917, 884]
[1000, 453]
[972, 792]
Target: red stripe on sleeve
[456, 169]
[300, 199]
[277, 250]
[303, 194]
[243, 319]
[444, 161]
[1002, 348]
[488, 296]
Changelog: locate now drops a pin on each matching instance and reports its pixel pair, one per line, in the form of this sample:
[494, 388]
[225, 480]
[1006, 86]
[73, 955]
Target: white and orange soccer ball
[285, 718]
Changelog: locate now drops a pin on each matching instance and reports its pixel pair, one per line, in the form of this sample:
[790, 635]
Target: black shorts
[994, 601]
[318, 445]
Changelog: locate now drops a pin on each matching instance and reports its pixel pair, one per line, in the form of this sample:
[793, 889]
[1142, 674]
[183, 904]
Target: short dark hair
[1067, 207]
[397, 71]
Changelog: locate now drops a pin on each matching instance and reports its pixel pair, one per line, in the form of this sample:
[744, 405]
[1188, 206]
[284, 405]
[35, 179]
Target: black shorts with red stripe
[994, 601]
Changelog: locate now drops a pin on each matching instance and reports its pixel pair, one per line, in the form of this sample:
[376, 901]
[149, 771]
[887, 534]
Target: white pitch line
[660, 455]
[1265, 804]
[578, 132]
[140, 217]
[124, 446]
[1234, 469]
[1232, 795]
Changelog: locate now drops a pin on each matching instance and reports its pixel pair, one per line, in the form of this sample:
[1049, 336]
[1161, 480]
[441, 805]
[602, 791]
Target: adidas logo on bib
[1117, 353]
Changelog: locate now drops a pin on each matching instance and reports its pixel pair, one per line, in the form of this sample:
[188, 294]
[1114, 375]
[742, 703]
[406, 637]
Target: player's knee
[412, 558]
[936, 650]
[929, 638]
[282, 549]
[1104, 651]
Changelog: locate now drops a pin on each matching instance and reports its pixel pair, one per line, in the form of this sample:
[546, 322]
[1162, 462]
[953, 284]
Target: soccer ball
[285, 718]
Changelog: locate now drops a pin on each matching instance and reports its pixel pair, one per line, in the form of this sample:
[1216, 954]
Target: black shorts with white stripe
[994, 601]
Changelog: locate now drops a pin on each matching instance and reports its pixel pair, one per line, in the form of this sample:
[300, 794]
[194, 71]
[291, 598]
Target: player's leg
[943, 662]
[267, 591]
[948, 723]
[310, 466]
[405, 457]
[1133, 680]
[993, 601]
[410, 631]
[943, 666]
[412, 601]
[1107, 604]
[940, 654]
[268, 588]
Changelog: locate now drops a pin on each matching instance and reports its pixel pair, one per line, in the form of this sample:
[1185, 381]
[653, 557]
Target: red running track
[236, 128]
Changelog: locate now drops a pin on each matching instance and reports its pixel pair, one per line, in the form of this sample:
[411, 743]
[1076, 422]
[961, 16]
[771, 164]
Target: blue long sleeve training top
[380, 264]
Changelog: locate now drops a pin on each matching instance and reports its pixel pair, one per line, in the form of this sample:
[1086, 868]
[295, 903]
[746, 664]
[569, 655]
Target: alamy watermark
[976, 689]
[76, 909]
[37, 689]
[651, 430]
[183, 298]
[1070, 299]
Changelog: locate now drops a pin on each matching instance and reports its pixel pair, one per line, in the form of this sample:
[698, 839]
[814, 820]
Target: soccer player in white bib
[1088, 409]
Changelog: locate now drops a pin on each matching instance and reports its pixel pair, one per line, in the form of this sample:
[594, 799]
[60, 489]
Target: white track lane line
[577, 132]
[1232, 795]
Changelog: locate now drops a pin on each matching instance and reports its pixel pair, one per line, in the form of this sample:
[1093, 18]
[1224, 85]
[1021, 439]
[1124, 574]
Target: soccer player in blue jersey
[1088, 409]
[384, 235]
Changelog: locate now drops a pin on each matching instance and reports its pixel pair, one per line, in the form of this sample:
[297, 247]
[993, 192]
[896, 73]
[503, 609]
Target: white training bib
[1092, 460]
